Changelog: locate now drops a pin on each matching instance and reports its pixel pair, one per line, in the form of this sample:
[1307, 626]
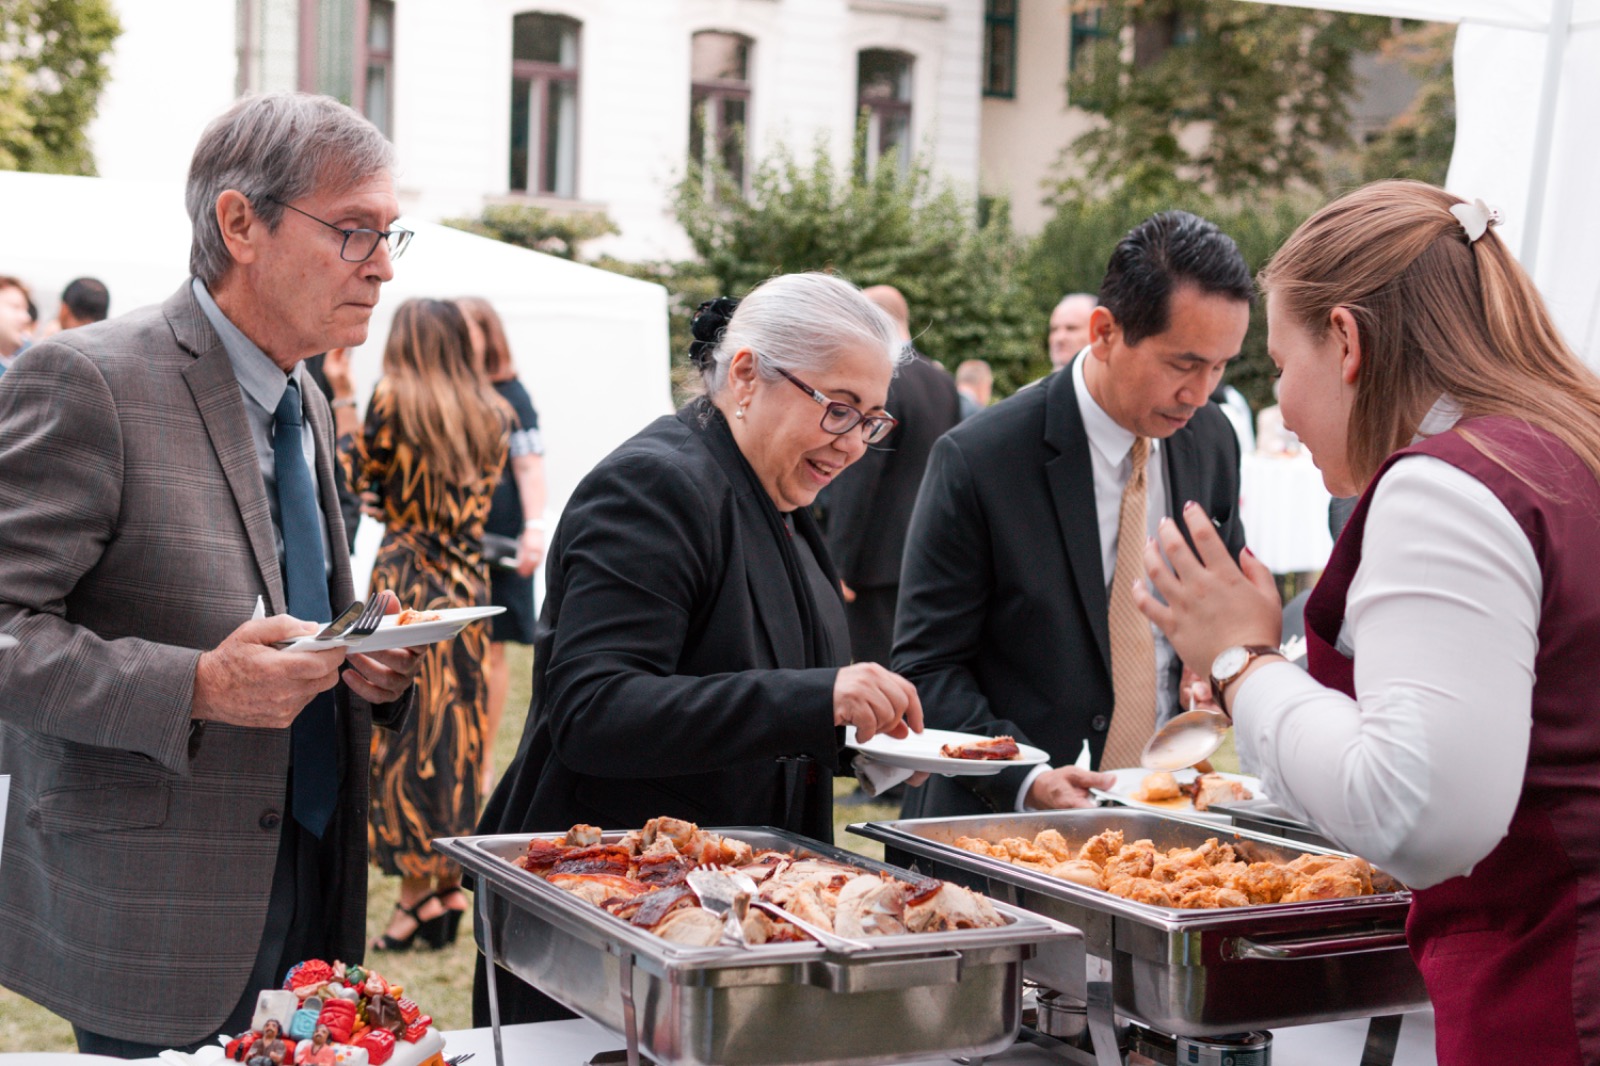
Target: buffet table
[576, 1042]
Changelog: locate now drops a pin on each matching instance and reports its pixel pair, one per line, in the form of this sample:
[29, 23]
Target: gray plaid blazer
[135, 532]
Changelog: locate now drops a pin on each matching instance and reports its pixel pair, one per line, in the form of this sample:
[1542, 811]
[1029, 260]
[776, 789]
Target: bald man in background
[1069, 327]
[866, 511]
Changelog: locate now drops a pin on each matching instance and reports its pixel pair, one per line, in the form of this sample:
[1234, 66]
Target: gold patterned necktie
[1133, 645]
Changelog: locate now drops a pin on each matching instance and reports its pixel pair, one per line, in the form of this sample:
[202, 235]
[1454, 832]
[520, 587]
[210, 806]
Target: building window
[1000, 48]
[544, 105]
[378, 91]
[328, 48]
[883, 94]
[719, 103]
[1085, 30]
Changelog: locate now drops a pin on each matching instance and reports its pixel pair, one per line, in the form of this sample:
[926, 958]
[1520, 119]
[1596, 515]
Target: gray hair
[275, 147]
[800, 323]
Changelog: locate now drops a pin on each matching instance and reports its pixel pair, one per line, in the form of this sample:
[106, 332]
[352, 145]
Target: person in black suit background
[690, 659]
[867, 509]
[1009, 609]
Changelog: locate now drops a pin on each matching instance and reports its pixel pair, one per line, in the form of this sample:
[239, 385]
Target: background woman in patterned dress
[431, 452]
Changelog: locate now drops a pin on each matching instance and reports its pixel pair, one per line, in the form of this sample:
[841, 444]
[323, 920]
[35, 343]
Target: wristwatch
[1227, 667]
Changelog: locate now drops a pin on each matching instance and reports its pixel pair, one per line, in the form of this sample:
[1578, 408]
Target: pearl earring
[740, 412]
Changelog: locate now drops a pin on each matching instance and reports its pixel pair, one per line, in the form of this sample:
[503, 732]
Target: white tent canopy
[1527, 77]
[590, 346]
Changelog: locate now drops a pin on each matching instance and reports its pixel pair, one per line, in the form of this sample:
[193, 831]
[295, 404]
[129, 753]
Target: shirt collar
[1105, 435]
[261, 379]
[1441, 418]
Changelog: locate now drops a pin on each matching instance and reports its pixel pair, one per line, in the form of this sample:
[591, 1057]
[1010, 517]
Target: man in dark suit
[867, 508]
[189, 808]
[1014, 614]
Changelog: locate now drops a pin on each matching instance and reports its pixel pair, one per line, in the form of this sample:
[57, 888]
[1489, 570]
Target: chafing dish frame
[663, 998]
[1192, 972]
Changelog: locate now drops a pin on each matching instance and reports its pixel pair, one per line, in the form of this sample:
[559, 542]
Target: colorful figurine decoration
[337, 1016]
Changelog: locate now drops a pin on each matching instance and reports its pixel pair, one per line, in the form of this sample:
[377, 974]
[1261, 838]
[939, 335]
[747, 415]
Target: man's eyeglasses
[359, 244]
[840, 418]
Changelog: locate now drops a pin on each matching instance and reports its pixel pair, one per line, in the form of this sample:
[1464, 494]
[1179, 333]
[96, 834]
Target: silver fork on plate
[744, 883]
[357, 620]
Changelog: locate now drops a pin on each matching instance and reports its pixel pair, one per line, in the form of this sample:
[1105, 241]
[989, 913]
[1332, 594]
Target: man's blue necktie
[315, 762]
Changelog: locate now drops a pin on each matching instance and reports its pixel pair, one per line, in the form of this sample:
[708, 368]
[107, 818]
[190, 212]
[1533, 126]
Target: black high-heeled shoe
[430, 929]
[451, 919]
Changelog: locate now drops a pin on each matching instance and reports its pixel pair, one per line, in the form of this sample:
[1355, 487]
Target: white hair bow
[1476, 218]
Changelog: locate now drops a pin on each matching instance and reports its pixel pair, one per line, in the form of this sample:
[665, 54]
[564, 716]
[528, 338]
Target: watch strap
[1219, 687]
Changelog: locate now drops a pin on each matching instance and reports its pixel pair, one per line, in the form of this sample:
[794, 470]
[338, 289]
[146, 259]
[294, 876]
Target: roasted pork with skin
[997, 749]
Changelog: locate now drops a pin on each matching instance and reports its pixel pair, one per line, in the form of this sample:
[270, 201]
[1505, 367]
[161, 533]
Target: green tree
[52, 69]
[552, 232]
[958, 274]
[1270, 84]
[1418, 143]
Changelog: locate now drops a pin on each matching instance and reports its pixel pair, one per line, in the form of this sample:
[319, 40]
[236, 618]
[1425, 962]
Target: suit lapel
[1071, 478]
[221, 405]
[1182, 467]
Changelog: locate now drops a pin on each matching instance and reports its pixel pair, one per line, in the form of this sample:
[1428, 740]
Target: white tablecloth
[573, 1043]
[1284, 507]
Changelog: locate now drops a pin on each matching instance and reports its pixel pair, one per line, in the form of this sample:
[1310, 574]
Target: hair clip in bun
[1476, 218]
[707, 327]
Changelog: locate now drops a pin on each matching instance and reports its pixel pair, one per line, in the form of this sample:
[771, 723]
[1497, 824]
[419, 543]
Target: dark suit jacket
[135, 532]
[671, 665]
[868, 506]
[1003, 608]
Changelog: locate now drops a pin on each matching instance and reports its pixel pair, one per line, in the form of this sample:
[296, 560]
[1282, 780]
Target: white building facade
[573, 105]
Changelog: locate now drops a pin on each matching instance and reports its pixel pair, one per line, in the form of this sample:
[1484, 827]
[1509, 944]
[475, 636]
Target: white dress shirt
[1421, 773]
[1109, 445]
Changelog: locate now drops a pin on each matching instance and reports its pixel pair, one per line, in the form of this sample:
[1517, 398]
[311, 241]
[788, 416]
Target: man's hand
[381, 677]
[245, 681]
[874, 700]
[1065, 787]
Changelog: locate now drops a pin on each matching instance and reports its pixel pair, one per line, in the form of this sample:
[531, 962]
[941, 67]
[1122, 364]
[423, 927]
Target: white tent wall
[1504, 51]
[590, 346]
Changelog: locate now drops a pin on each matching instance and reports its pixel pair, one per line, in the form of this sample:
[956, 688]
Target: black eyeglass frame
[398, 238]
[874, 427]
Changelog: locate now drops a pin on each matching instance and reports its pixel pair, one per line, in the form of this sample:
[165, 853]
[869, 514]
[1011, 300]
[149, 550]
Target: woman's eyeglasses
[840, 418]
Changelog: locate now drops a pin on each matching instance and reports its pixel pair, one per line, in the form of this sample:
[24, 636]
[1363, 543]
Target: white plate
[1131, 780]
[451, 621]
[920, 751]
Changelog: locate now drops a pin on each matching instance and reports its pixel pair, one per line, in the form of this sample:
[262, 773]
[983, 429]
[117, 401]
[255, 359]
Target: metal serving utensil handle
[839, 945]
[1243, 947]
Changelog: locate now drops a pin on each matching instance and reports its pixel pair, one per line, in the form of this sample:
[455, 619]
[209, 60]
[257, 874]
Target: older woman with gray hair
[691, 656]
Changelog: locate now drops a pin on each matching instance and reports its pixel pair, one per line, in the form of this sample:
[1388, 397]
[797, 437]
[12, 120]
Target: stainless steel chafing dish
[907, 997]
[1191, 972]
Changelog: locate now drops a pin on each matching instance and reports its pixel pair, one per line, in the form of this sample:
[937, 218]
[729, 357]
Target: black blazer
[1002, 621]
[867, 509]
[673, 664]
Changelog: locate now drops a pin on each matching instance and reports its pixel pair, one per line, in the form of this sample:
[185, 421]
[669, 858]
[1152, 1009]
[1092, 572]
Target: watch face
[1230, 662]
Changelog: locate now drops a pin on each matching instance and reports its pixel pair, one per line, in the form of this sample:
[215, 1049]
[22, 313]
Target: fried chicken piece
[1023, 850]
[1055, 844]
[1214, 788]
[1342, 880]
[1141, 890]
[1158, 786]
[979, 846]
[1209, 897]
[1131, 861]
[1080, 872]
[1260, 882]
[1309, 864]
[1097, 849]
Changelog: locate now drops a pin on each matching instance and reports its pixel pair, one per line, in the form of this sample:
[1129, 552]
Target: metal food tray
[1192, 972]
[907, 997]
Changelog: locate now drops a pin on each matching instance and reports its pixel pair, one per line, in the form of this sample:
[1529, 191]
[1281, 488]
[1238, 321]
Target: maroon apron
[1511, 951]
